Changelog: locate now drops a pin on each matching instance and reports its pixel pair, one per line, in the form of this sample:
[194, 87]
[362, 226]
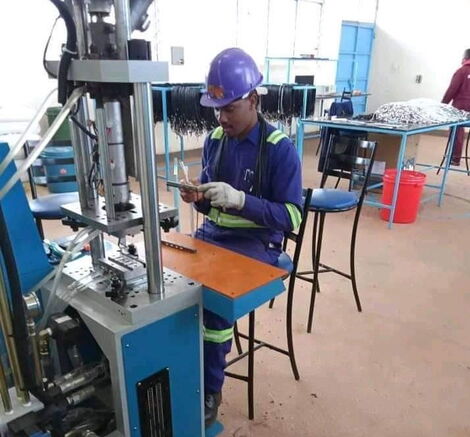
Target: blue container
[59, 169]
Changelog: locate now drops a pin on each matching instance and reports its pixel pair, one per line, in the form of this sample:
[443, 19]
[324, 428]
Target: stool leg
[290, 340]
[316, 267]
[315, 285]
[236, 337]
[352, 260]
[251, 365]
[444, 157]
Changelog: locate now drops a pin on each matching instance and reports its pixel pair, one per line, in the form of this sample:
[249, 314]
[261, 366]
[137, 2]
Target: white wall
[417, 37]
[413, 37]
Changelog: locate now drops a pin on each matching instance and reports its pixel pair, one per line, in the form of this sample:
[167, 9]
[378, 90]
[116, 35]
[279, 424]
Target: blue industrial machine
[110, 343]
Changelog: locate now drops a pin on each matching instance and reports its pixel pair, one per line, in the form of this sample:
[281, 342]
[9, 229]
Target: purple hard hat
[232, 74]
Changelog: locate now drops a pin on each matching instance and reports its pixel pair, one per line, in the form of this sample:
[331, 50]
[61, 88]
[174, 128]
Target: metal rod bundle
[283, 102]
[187, 116]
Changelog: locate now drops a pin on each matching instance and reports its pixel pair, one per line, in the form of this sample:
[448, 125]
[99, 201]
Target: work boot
[211, 406]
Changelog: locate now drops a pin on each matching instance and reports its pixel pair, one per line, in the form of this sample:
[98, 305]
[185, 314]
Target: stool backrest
[349, 158]
[346, 95]
[298, 235]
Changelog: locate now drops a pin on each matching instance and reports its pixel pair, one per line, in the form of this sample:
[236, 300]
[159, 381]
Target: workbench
[400, 130]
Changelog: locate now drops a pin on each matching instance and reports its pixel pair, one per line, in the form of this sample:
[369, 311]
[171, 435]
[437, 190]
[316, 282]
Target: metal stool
[352, 159]
[255, 344]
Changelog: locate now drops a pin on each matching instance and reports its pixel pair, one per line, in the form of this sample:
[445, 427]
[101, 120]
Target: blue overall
[257, 230]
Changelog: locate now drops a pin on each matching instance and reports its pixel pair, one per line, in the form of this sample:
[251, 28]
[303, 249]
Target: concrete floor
[402, 367]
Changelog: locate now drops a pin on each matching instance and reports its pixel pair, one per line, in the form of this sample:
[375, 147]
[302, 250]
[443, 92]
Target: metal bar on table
[396, 187]
[148, 186]
[178, 246]
[453, 134]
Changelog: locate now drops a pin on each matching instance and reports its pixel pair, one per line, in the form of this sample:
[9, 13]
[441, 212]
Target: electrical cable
[83, 128]
[69, 51]
[44, 63]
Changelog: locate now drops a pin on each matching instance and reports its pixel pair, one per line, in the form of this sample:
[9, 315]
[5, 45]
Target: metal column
[83, 152]
[145, 142]
[117, 157]
[105, 166]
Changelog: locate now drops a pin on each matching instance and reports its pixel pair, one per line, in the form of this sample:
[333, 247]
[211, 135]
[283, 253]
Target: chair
[343, 109]
[346, 158]
[47, 207]
[290, 266]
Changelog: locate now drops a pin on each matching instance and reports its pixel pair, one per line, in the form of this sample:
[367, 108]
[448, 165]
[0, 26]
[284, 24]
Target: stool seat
[333, 200]
[48, 207]
[284, 262]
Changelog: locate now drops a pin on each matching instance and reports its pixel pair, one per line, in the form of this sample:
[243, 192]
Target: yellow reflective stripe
[276, 136]
[217, 133]
[230, 221]
[216, 336]
[294, 214]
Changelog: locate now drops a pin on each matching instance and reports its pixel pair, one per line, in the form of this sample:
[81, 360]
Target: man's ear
[254, 100]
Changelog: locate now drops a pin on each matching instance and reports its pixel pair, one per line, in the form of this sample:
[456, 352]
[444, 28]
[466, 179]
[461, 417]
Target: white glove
[223, 195]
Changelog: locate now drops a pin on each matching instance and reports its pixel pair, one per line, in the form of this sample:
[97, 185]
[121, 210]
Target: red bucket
[409, 195]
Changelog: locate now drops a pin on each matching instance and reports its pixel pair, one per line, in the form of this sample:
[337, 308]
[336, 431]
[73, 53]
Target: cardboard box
[388, 147]
[386, 154]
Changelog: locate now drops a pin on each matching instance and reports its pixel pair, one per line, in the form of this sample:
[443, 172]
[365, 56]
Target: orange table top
[219, 269]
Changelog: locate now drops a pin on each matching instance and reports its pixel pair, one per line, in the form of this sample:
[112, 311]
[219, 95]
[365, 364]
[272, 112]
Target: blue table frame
[390, 129]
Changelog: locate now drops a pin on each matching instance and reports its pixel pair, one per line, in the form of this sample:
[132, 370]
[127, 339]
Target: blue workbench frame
[390, 129]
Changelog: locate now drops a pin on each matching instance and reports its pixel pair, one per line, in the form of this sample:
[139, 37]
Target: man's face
[237, 116]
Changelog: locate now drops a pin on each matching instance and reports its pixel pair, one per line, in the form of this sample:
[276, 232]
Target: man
[459, 93]
[251, 191]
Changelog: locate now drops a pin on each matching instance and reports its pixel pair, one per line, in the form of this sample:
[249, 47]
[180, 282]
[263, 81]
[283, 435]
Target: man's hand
[190, 196]
[223, 195]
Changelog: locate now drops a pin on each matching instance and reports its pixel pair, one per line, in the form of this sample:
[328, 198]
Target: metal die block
[98, 219]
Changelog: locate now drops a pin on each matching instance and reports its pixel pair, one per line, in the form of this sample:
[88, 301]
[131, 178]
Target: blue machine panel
[174, 343]
[31, 260]
[233, 309]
